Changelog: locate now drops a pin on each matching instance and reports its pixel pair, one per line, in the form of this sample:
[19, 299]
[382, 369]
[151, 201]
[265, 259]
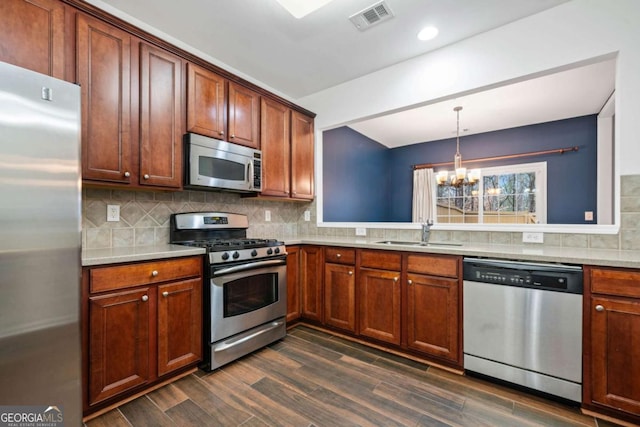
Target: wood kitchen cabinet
[32, 35]
[293, 284]
[244, 116]
[311, 269]
[433, 306]
[287, 142]
[611, 342]
[340, 288]
[379, 295]
[132, 113]
[206, 102]
[142, 323]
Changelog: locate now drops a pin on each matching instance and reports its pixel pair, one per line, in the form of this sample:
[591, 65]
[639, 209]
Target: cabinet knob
[351, 273]
[165, 294]
[395, 279]
[409, 282]
[154, 273]
[233, 136]
[127, 174]
[146, 176]
[599, 308]
[221, 132]
[145, 298]
[338, 255]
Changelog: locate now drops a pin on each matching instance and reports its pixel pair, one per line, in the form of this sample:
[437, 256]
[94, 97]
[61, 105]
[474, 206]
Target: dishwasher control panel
[554, 277]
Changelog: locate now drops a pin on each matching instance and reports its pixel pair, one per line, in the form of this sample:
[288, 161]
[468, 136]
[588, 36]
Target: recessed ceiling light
[427, 33]
[300, 8]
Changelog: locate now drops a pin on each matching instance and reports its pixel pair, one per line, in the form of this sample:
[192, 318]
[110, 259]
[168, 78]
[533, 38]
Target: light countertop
[530, 252]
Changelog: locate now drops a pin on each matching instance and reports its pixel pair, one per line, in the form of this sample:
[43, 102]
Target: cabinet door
[311, 264]
[340, 296]
[379, 296]
[119, 342]
[276, 151]
[206, 102]
[161, 125]
[302, 166]
[433, 316]
[244, 116]
[32, 35]
[293, 283]
[103, 54]
[179, 324]
[615, 353]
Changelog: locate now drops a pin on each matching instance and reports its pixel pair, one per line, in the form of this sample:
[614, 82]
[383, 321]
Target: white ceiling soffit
[298, 57]
[573, 93]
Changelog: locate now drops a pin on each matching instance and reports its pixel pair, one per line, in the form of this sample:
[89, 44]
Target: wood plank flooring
[311, 378]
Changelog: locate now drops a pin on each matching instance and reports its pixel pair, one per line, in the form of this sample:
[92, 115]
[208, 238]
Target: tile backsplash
[144, 220]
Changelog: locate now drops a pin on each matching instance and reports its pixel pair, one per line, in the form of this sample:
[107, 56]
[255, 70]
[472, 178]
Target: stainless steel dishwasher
[523, 324]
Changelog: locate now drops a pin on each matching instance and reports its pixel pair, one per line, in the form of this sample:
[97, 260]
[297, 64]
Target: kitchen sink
[414, 243]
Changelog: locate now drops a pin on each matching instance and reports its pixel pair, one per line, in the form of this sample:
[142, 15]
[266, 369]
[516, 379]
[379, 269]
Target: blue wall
[355, 177]
[571, 177]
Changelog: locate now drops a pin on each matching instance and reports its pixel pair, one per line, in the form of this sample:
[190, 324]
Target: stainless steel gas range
[245, 284]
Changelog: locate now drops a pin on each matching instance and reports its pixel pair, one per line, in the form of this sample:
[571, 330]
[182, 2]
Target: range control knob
[225, 256]
[269, 251]
[254, 253]
[236, 255]
[277, 250]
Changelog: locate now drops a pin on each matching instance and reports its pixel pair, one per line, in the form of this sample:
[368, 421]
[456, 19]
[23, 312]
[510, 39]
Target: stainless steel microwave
[219, 165]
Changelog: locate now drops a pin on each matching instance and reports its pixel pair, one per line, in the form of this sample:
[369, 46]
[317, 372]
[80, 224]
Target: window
[513, 194]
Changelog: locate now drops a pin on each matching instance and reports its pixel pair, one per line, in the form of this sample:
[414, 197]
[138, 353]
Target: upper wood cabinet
[161, 123]
[287, 150]
[32, 35]
[206, 102]
[244, 116]
[302, 160]
[103, 71]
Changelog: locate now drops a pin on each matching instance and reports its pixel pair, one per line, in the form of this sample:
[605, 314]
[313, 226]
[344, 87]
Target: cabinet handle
[154, 273]
[599, 308]
[338, 255]
[127, 174]
[165, 294]
[146, 176]
[145, 298]
[409, 282]
[351, 273]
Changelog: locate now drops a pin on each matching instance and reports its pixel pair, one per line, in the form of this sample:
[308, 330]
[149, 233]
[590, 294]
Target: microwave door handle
[250, 174]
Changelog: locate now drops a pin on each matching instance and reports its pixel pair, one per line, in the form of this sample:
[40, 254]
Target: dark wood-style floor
[311, 378]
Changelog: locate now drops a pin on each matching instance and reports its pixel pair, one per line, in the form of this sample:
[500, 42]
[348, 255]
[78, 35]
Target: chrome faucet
[426, 230]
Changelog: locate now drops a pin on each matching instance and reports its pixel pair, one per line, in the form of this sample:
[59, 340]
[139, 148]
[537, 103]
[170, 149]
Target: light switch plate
[530, 237]
[113, 213]
[267, 216]
[307, 215]
[361, 231]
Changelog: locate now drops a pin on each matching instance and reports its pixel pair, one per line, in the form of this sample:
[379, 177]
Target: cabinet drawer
[381, 260]
[125, 276]
[340, 255]
[621, 282]
[433, 265]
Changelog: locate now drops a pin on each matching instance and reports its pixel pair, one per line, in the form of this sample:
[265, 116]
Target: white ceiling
[298, 57]
[571, 93]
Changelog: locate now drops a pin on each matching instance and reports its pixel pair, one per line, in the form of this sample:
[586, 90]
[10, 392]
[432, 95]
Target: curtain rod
[508, 156]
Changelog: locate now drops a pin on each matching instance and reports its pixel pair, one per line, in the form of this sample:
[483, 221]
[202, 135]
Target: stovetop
[230, 244]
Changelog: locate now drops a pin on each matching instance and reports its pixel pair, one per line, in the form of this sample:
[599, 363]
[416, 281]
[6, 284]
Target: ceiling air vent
[372, 15]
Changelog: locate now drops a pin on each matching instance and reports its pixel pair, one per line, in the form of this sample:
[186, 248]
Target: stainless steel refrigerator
[40, 240]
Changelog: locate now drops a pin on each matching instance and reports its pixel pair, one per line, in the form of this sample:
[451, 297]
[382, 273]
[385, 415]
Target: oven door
[247, 295]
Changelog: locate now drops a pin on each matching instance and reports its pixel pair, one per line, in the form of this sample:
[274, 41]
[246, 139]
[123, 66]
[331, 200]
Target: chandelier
[459, 177]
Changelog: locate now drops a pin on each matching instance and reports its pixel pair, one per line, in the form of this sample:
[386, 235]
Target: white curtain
[423, 197]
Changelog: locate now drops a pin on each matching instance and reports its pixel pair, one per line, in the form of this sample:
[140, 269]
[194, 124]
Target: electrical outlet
[588, 215]
[361, 231]
[531, 237]
[307, 215]
[267, 216]
[113, 213]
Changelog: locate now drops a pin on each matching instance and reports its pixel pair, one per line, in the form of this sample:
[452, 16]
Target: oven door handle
[250, 266]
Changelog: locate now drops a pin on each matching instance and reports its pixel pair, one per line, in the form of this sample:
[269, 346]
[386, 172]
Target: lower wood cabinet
[340, 289]
[311, 268]
[293, 288]
[612, 341]
[379, 295]
[141, 323]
